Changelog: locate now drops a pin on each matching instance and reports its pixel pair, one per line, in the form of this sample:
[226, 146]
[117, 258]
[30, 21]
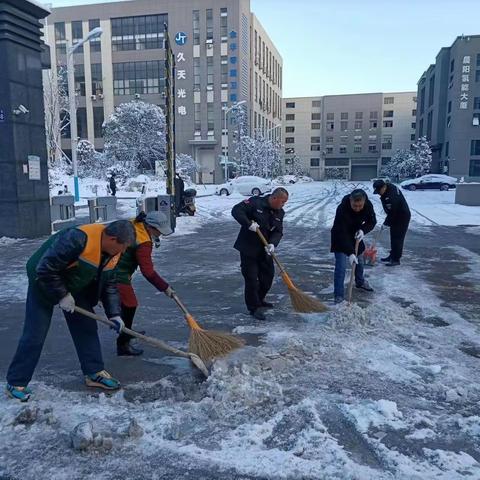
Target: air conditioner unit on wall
[100, 96]
[93, 97]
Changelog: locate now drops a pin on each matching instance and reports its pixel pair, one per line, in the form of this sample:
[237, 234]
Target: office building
[223, 56]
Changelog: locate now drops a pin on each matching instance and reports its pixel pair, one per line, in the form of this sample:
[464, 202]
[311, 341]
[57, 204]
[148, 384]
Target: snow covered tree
[410, 163]
[90, 162]
[186, 164]
[423, 157]
[295, 166]
[134, 136]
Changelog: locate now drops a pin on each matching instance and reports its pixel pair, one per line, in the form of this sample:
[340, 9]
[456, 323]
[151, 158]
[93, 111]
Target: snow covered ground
[384, 389]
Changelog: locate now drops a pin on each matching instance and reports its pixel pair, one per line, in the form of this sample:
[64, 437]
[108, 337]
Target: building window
[330, 116]
[289, 129]
[343, 149]
[130, 78]
[79, 76]
[357, 139]
[447, 149]
[77, 34]
[478, 59]
[210, 71]
[316, 104]
[429, 125]
[373, 115]
[476, 103]
[97, 79]
[289, 139]
[290, 116]
[477, 76]
[474, 168]
[431, 91]
[314, 162]
[210, 118]
[197, 125]
[329, 150]
[196, 27]
[138, 33]
[414, 113]
[358, 125]
[209, 23]
[290, 105]
[452, 65]
[344, 116]
[373, 124]
[420, 128]
[330, 126]
[449, 107]
[315, 116]
[387, 113]
[329, 140]
[388, 100]
[372, 138]
[314, 139]
[224, 74]
[372, 148]
[289, 150]
[412, 137]
[196, 73]
[223, 25]
[357, 149]
[314, 148]
[95, 43]
[387, 142]
[315, 126]
[422, 100]
[414, 125]
[475, 147]
[82, 131]
[343, 126]
[387, 123]
[60, 38]
[97, 121]
[358, 115]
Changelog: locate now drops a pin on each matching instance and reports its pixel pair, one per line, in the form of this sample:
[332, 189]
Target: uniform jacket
[71, 261]
[270, 221]
[347, 223]
[395, 206]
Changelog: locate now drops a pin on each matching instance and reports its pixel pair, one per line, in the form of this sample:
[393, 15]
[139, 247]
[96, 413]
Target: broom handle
[352, 275]
[277, 261]
[192, 323]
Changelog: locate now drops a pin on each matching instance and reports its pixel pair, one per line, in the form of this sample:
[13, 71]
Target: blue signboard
[2, 115]
[181, 38]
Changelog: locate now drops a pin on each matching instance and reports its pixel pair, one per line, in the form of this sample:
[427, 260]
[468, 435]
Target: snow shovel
[301, 302]
[352, 274]
[195, 359]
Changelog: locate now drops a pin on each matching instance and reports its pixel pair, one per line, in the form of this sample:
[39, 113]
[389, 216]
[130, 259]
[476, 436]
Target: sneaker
[102, 380]
[365, 286]
[267, 304]
[19, 393]
[339, 300]
[127, 350]
[393, 263]
[386, 259]
[258, 314]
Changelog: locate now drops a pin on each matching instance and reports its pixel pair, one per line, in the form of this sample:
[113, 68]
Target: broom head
[301, 302]
[210, 344]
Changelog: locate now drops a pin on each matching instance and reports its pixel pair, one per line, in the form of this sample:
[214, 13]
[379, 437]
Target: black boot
[258, 314]
[126, 350]
[386, 259]
[267, 304]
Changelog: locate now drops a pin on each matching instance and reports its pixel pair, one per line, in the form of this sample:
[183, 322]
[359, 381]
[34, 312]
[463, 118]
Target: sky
[357, 46]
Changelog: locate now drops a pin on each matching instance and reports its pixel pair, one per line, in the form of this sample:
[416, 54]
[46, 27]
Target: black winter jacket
[347, 223]
[270, 221]
[395, 206]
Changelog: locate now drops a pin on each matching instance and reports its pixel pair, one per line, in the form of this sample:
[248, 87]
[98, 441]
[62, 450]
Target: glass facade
[95, 43]
[77, 34]
[196, 27]
[97, 121]
[138, 77]
[138, 33]
[97, 82]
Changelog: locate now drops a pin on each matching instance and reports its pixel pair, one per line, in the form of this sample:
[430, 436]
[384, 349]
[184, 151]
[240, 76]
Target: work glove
[270, 248]
[359, 235]
[67, 303]
[353, 259]
[253, 226]
[169, 292]
[118, 324]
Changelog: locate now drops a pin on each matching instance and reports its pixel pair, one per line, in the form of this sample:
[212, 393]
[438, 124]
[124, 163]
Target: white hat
[159, 221]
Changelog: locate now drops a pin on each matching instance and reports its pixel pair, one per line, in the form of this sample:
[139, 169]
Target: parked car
[246, 185]
[382, 177]
[430, 182]
[291, 179]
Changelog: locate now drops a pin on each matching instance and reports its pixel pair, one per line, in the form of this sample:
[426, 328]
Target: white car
[246, 185]
[430, 182]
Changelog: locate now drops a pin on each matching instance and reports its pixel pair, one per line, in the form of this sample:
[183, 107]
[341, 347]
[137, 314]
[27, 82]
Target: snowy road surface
[385, 389]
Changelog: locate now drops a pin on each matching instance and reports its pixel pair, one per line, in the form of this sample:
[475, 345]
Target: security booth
[160, 203]
[102, 209]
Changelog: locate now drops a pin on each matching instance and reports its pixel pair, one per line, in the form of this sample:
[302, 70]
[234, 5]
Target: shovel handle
[276, 260]
[352, 275]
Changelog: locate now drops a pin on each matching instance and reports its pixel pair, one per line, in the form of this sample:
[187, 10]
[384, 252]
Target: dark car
[430, 182]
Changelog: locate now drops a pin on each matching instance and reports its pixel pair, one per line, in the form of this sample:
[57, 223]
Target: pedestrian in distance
[397, 219]
[265, 213]
[354, 218]
[113, 184]
[148, 229]
[74, 267]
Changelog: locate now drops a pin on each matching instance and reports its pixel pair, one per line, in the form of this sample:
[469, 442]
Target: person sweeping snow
[265, 213]
[74, 267]
[354, 218]
[148, 227]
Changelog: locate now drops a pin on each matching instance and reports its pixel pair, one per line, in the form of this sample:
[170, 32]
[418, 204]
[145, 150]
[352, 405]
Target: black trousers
[128, 313]
[397, 239]
[258, 273]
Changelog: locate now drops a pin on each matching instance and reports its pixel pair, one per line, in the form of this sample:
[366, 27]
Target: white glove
[253, 227]
[353, 259]
[169, 292]
[118, 324]
[270, 248]
[359, 235]
[67, 303]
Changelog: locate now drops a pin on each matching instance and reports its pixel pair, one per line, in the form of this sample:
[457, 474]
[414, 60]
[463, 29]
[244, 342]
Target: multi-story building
[448, 111]
[348, 135]
[223, 56]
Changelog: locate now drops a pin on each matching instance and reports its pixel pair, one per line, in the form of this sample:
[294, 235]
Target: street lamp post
[95, 33]
[226, 112]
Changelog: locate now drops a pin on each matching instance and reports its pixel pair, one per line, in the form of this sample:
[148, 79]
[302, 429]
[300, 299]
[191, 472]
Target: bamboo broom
[207, 344]
[301, 302]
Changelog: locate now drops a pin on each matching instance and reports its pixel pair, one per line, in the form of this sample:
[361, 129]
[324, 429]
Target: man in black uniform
[398, 218]
[257, 266]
